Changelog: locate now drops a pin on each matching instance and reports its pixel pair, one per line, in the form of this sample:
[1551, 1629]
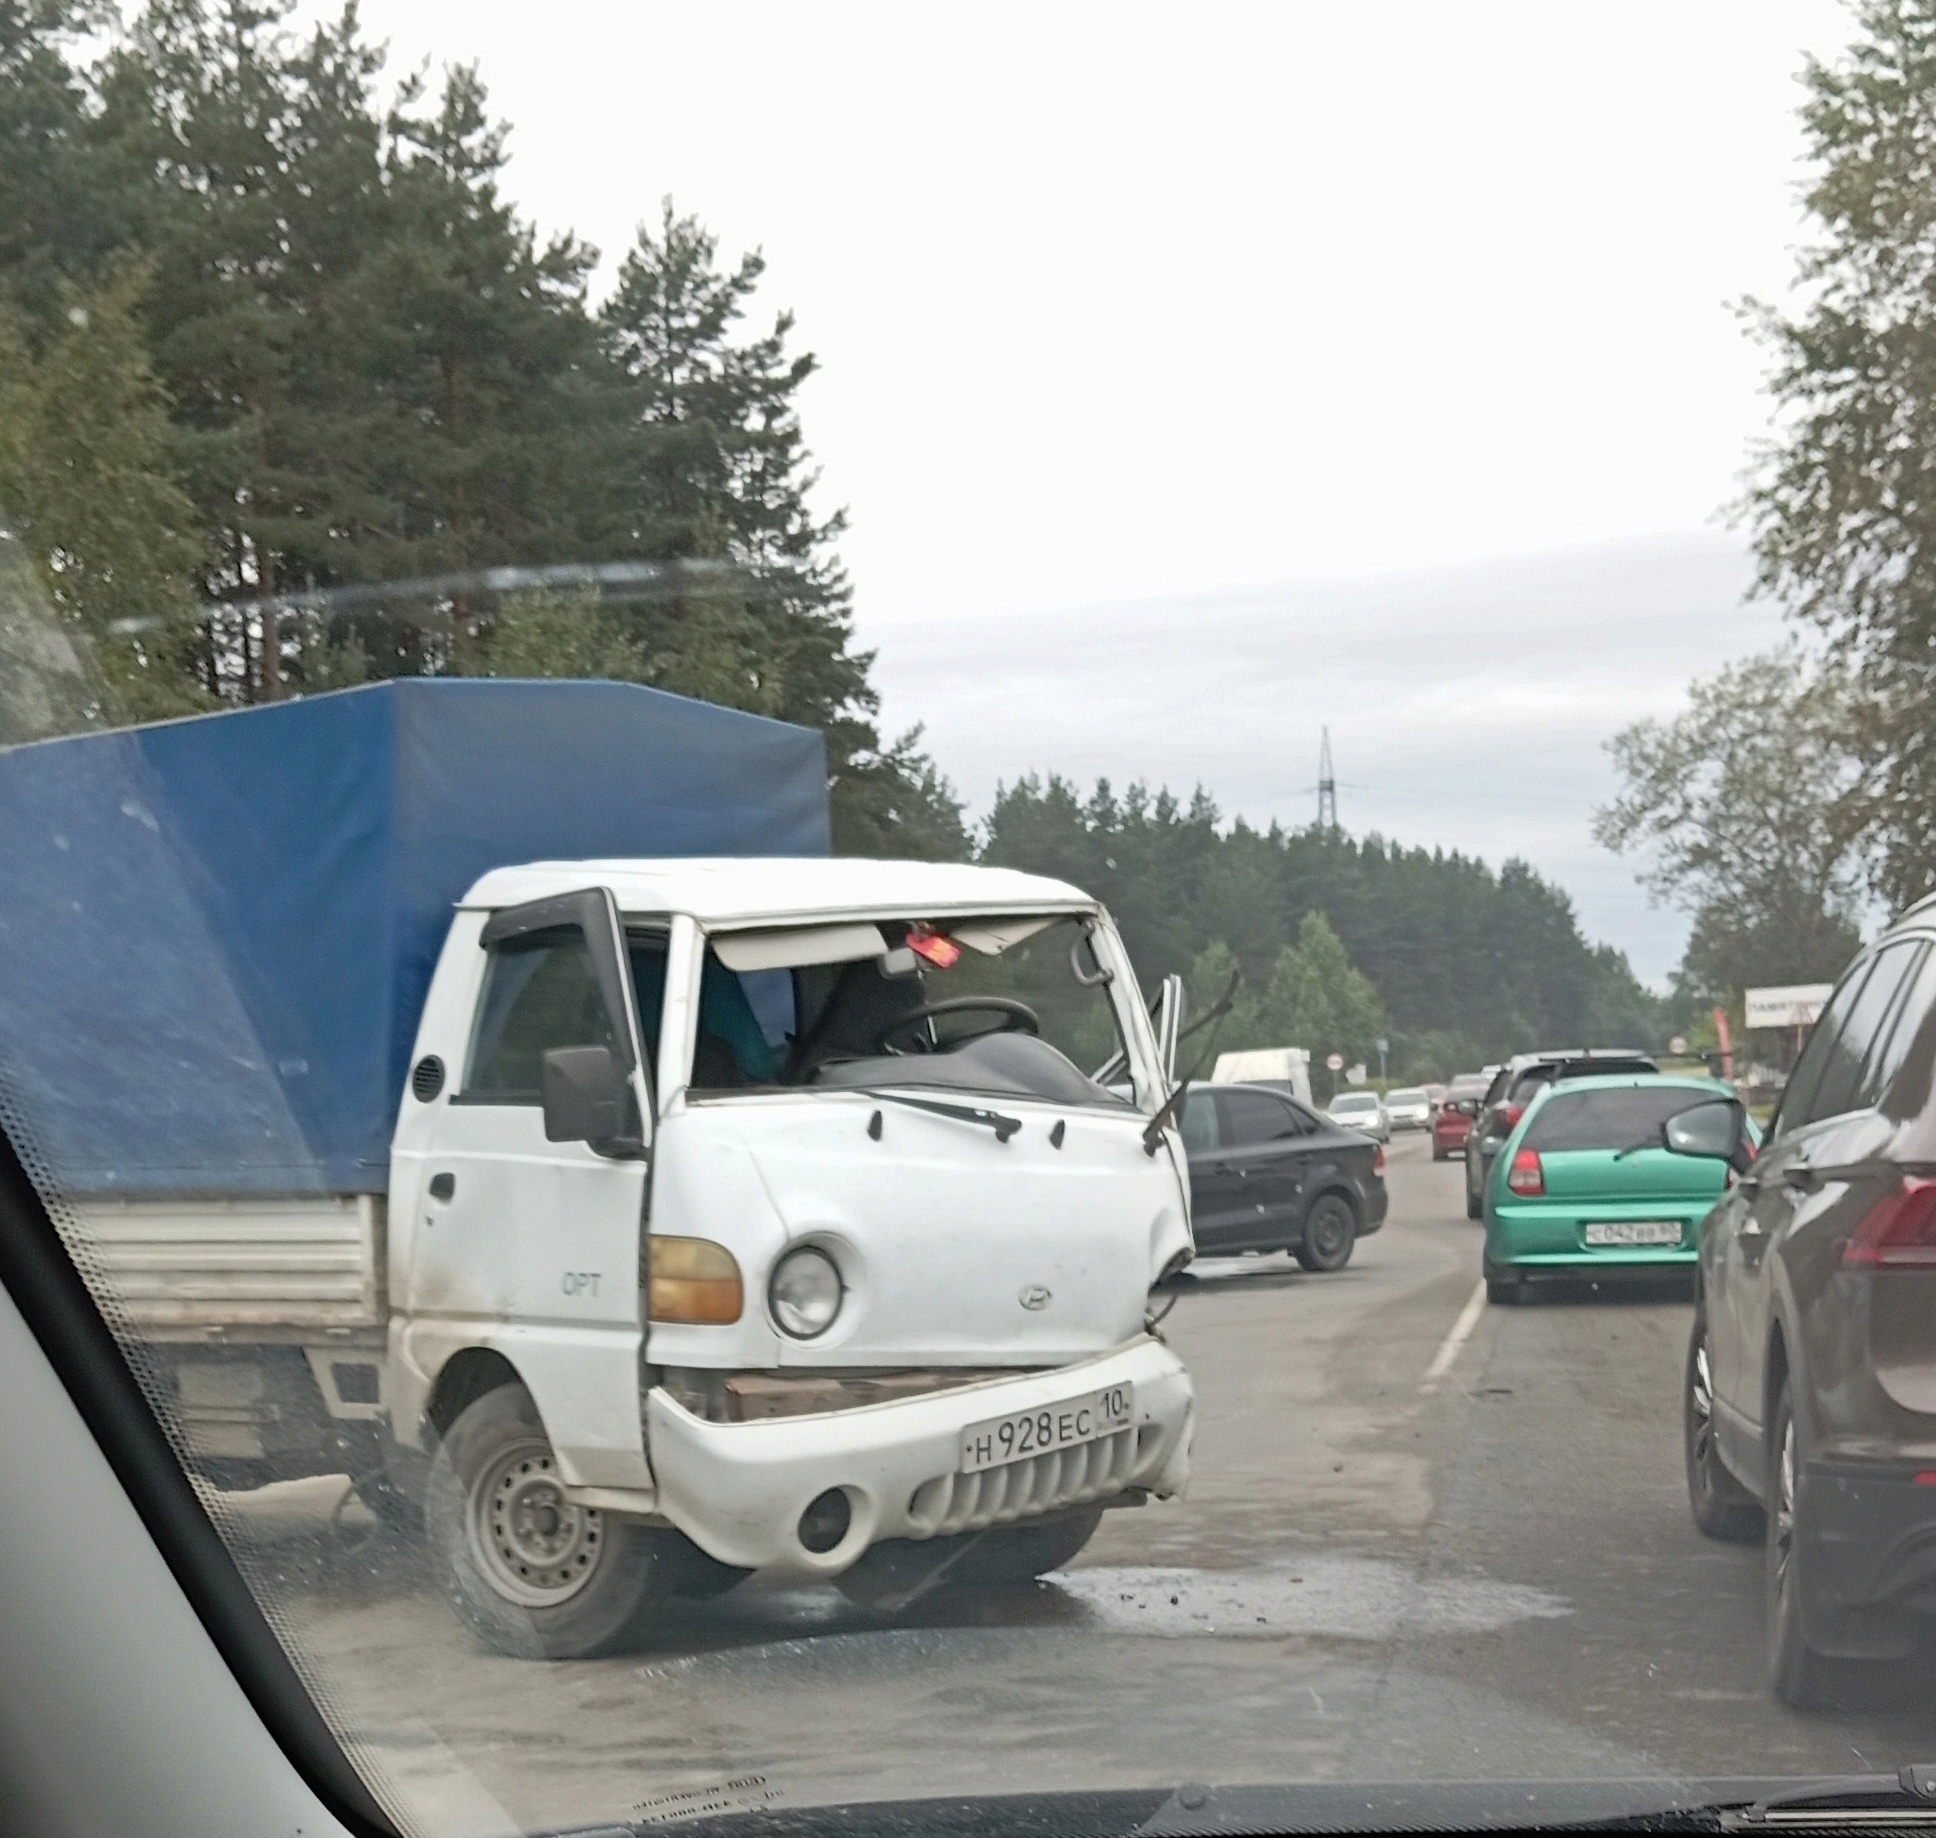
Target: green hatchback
[1586, 1184]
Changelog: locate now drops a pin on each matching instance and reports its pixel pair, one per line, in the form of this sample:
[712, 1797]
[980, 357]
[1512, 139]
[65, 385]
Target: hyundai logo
[1033, 1296]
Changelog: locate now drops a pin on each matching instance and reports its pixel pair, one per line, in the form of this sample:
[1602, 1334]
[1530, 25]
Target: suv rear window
[1609, 1119]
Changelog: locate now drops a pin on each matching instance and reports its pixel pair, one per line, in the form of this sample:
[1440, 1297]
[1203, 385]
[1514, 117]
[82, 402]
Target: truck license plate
[1041, 1432]
[1634, 1232]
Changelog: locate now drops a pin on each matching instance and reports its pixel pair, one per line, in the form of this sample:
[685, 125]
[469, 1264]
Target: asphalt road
[1404, 1557]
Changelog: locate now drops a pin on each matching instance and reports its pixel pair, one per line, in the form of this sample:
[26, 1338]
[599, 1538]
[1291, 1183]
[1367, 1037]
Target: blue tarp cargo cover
[216, 934]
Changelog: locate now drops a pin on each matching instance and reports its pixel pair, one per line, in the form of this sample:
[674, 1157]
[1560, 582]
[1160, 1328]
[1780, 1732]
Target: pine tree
[87, 481]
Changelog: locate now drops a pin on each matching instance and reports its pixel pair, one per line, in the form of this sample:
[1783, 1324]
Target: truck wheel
[1329, 1230]
[1021, 1553]
[528, 1572]
[1722, 1507]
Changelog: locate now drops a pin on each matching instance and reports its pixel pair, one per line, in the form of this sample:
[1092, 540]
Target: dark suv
[1512, 1088]
[1811, 1374]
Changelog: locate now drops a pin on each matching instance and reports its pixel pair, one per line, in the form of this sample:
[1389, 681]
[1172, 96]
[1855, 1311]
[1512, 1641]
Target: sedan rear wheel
[1722, 1507]
[1330, 1230]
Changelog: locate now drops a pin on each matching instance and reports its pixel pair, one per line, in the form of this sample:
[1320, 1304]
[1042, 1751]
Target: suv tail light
[1378, 1158]
[1509, 1116]
[1526, 1176]
[1897, 1233]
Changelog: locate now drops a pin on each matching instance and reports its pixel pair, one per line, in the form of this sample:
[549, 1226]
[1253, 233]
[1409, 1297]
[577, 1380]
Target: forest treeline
[271, 332]
[1456, 964]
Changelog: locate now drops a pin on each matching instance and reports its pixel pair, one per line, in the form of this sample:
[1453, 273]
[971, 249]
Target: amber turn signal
[692, 1280]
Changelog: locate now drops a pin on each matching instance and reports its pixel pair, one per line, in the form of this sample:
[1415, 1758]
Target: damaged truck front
[735, 1210]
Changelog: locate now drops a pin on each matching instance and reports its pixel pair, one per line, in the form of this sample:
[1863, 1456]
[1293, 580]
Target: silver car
[1362, 1110]
[1409, 1108]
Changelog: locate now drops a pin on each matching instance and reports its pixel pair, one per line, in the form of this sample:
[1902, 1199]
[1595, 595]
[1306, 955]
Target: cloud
[1468, 705]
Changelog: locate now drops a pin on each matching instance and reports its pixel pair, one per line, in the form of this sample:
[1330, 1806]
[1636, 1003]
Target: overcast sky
[1197, 375]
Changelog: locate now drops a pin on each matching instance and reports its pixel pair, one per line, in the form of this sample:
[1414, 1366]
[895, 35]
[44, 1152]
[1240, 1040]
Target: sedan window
[1251, 1117]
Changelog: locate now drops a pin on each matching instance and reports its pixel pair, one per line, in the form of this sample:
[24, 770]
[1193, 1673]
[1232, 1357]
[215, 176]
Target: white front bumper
[738, 1489]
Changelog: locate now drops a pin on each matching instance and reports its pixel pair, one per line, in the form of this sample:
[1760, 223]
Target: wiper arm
[1801, 1807]
[1634, 1148]
[1003, 1126]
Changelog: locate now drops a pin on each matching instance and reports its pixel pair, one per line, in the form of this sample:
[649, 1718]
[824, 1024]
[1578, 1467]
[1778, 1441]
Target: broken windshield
[1013, 1006]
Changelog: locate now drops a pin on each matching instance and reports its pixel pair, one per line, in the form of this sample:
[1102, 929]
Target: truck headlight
[805, 1293]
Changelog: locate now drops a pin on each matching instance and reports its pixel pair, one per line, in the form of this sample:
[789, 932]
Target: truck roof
[743, 890]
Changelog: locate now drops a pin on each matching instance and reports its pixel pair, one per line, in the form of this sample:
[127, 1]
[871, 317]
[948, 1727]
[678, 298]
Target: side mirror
[1715, 1130]
[587, 1098]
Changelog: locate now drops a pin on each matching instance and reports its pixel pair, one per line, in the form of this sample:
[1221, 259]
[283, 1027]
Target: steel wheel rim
[535, 1546]
[1329, 1228]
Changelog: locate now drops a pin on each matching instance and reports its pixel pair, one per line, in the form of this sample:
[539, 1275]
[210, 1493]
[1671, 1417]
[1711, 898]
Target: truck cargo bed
[257, 1268]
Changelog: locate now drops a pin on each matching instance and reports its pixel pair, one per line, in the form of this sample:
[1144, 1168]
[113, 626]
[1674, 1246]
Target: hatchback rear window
[1609, 1119]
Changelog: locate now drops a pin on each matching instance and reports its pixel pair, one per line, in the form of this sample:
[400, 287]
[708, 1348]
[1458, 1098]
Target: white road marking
[1450, 1345]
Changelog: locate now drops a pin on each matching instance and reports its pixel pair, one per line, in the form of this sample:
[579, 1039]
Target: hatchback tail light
[1898, 1232]
[1526, 1176]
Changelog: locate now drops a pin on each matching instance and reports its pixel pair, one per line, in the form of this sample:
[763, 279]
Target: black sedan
[1268, 1174]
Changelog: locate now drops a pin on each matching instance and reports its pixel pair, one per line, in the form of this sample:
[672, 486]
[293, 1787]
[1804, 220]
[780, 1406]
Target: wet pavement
[1375, 1577]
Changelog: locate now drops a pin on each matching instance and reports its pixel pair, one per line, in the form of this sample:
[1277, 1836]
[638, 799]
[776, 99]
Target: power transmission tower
[1327, 787]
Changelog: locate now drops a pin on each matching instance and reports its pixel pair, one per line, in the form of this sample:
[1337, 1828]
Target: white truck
[738, 1213]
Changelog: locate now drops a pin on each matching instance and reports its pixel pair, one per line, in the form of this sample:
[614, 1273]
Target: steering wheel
[1012, 1018]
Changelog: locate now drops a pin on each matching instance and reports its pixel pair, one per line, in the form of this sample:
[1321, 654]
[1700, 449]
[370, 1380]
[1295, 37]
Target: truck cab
[794, 1213]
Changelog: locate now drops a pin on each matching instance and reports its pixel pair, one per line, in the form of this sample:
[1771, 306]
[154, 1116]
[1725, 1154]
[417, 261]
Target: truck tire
[1021, 1553]
[529, 1573]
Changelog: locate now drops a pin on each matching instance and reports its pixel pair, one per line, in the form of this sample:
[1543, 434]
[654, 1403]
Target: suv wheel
[1722, 1507]
[1801, 1675]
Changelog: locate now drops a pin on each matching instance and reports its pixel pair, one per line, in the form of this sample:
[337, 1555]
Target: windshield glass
[735, 743]
[1011, 1005]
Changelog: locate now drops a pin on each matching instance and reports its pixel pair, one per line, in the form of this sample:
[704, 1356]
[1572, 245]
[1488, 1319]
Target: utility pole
[1327, 788]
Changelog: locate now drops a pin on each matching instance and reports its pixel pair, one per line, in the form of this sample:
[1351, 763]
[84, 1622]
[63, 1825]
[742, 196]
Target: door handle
[442, 1186]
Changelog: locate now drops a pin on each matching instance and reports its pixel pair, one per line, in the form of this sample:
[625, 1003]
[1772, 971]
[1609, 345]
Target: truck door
[531, 1246]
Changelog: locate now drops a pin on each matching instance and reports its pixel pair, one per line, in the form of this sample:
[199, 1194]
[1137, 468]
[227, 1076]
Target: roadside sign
[1786, 1004]
[1335, 1061]
[1355, 1075]
[1678, 1045]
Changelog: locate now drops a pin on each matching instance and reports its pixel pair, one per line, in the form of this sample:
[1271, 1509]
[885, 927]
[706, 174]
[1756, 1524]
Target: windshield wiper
[1004, 1126]
[1848, 1796]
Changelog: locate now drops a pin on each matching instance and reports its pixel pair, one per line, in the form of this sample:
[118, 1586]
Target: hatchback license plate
[1634, 1232]
[1023, 1433]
